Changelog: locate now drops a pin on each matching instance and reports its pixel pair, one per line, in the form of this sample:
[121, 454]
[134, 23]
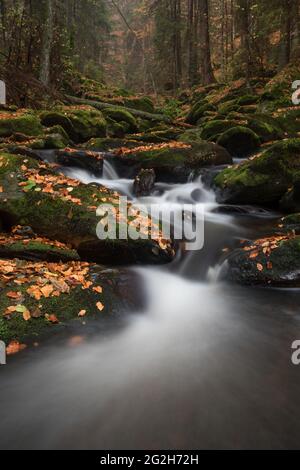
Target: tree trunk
[207, 75]
[47, 44]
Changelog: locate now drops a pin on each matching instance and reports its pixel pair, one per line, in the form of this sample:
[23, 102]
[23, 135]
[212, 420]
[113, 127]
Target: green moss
[81, 124]
[120, 115]
[50, 141]
[108, 144]
[280, 268]
[143, 103]
[66, 307]
[213, 129]
[35, 250]
[247, 100]
[198, 111]
[263, 180]
[27, 123]
[239, 141]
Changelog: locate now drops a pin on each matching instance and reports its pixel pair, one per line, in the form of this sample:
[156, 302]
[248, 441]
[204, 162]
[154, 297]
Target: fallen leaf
[259, 267]
[100, 306]
[82, 313]
[98, 289]
[14, 347]
[52, 318]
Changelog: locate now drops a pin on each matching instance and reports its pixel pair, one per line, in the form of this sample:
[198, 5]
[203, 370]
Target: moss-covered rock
[291, 200]
[228, 107]
[35, 248]
[269, 262]
[239, 141]
[22, 121]
[247, 100]
[174, 160]
[213, 129]
[158, 136]
[81, 123]
[262, 180]
[38, 298]
[64, 209]
[49, 142]
[109, 144]
[291, 223]
[143, 103]
[85, 159]
[121, 116]
[198, 111]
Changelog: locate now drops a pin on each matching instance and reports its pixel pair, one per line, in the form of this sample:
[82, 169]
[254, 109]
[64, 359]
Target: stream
[205, 365]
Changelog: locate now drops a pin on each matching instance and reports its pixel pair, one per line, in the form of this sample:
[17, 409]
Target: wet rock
[239, 141]
[262, 180]
[144, 183]
[49, 296]
[269, 262]
[173, 161]
[85, 159]
[291, 200]
[81, 123]
[22, 122]
[24, 244]
[63, 209]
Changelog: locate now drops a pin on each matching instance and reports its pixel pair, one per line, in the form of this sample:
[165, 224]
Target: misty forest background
[148, 46]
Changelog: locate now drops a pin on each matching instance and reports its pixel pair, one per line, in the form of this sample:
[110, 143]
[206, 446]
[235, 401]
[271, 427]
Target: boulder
[262, 180]
[81, 123]
[64, 209]
[23, 122]
[172, 161]
[38, 298]
[85, 159]
[144, 183]
[123, 117]
[239, 141]
[271, 261]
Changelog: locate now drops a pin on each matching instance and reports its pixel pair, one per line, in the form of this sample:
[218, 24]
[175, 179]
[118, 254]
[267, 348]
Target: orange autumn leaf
[14, 295]
[98, 289]
[82, 313]
[52, 318]
[47, 290]
[254, 255]
[14, 347]
[259, 267]
[100, 306]
[26, 315]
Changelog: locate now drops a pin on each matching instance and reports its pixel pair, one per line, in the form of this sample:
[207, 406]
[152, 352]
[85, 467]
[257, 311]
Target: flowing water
[205, 365]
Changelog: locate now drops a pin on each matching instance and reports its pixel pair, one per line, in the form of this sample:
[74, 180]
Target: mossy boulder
[262, 180]
[143, 103]
[38, 298]
[239, 141]
[64, 209]
[291, 223]
[122, 116]
[80, 123]
[22, 121]
[291, 200]
[247, 100]
[49, 142]
[109, 144]
[84, 159]
[213, 129]
[228, 107]
[35, 248]
[268, 262]
[173, 161]
[198, 111]
[158, 136]
[289, 120]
